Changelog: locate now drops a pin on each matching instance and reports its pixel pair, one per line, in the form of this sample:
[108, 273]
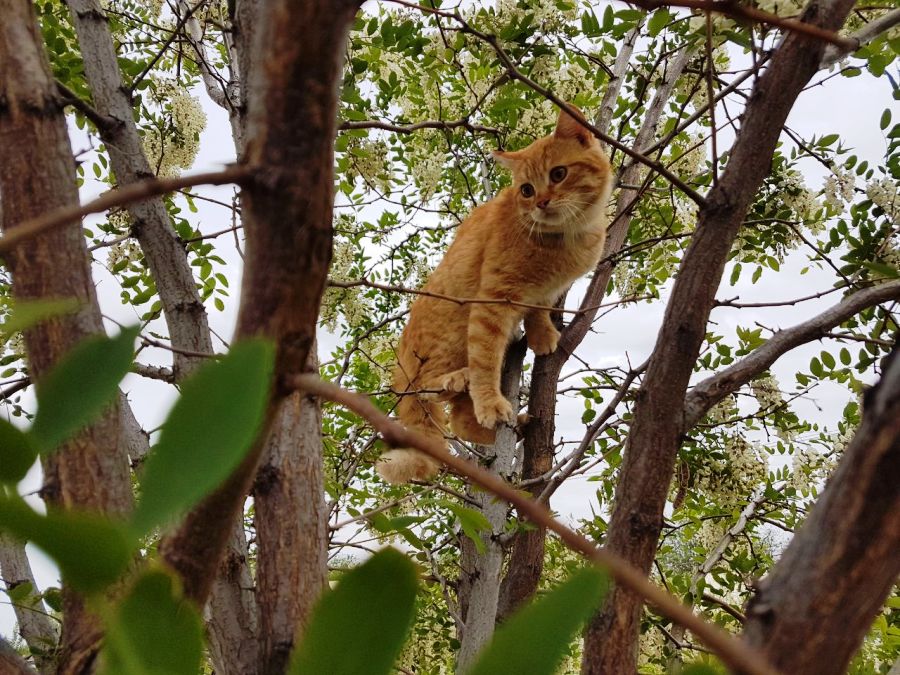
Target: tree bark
[164, 252]
[707, 393]
[291, 528]
[480, 570]
[231, 615]
[292, 90]
[812, 611]
[35, 625]
[11, 663]
[37, 173]
[647, 467]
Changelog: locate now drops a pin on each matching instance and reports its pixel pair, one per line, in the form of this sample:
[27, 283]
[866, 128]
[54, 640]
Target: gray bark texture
[291, 528]
[480, 570]
[37, 628]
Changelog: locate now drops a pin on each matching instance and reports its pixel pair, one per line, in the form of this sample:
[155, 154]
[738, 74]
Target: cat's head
[561, 181]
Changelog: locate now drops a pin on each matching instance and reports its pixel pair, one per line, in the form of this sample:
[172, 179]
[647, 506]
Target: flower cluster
[795, 194]
[369, 162]
[886, 194]
[173, 146]
[127, 250]
[766, 391]
[348, 302]
[780, 7]
[838, 189]
[729, 480]
[809, 468]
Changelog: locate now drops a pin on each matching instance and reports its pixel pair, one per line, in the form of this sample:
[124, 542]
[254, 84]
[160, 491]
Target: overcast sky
[850, 107]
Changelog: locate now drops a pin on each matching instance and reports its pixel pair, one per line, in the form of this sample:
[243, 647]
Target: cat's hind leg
[464, 424]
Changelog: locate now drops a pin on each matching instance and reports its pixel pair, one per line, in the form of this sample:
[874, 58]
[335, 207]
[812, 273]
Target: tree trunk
[35, 624]
[232, 609]
[37, 173]
[291, 528]
[292, 93]
[811, 612]
[647, 467]
[480, 570]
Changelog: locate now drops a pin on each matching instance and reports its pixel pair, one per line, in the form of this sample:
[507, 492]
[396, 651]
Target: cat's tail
[429, 418]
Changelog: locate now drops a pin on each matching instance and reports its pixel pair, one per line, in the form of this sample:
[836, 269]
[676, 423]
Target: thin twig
[738, 10]
[334, 283]
[134, 192]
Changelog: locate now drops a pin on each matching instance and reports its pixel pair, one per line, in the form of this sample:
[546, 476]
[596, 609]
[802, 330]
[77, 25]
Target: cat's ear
[507, 160]
[569, 127]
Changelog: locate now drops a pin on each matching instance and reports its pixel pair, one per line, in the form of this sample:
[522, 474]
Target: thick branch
[287, 213]
[811, 612]
[291, 528]
[395, 435]
[713, 389]
[656, 429]
[862, 37]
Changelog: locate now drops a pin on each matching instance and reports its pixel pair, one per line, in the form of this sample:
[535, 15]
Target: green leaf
[91, 551]
[472, 522]
[19, 593]
[815, 367]
[360, 627]
[846, 359]
[207, 434]
[535, 639]
[153, 630]
[828, 360]
[17, 453]
[885, 118]
[658, 21]
[80, 386]
[27, 314]
[882, 269]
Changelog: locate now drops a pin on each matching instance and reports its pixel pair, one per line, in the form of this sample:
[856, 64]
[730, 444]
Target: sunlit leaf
[207, 433]
[153, 630]
[80, 386]
[360, 627]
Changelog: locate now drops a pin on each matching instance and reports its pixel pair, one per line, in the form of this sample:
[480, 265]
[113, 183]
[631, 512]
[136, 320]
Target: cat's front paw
[492, 409]
[457, 381]
[544, 340]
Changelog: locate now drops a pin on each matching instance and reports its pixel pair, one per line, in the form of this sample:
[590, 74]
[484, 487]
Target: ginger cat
[528, 244]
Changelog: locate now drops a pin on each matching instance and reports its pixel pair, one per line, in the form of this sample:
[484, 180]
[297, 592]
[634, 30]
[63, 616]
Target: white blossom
[885, 193]
[838, 189]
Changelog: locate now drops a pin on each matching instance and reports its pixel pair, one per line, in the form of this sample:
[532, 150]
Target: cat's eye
[557, 173]
[527, 190]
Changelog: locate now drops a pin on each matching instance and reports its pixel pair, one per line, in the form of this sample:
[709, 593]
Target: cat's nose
[543, 203]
